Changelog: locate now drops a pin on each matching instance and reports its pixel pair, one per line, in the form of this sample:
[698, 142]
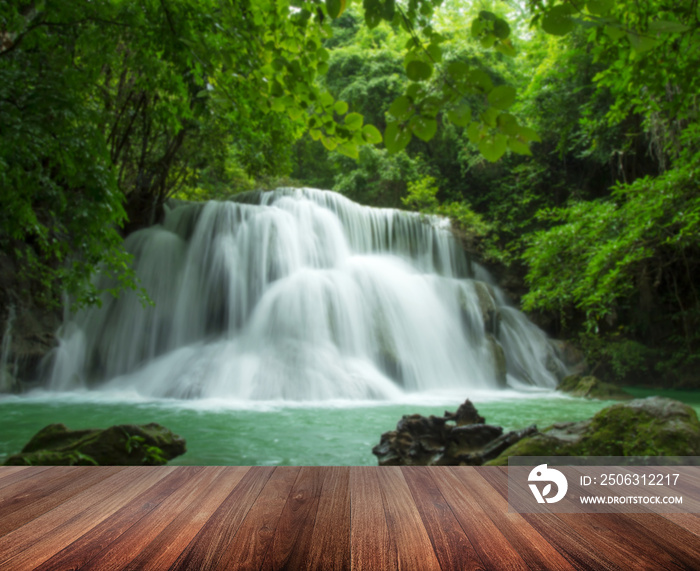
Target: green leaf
[354, 121]
[490, 116]
[517, 146]
[488, 40]
[341, 107]
[502, 97]
[396, 137]
[418, 70]
[639, 43]
[460, 115]
[435, 52]
[335, 7]
[557, 21]
[458, 70]
[474, 132]
[414, 91]
[389, 10]
[493, 148]
[501, 29]
[506, 48]
[423, 127]
[372, 18]
[478, 26]
[528, 134]
[614, 32]
[480, 79]
[667, 27]
[371, 134]
[401, 107]
[349, 149]
[430, 106]
[329, 143]
[600, 7]
[508, 124]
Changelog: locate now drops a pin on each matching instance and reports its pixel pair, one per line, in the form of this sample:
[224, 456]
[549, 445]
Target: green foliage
[152, 455]
[422, 196]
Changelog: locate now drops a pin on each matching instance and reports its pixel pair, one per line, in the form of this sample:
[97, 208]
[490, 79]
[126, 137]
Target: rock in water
[455, 439]
[653, 426]
[122, 445]
[592, 388]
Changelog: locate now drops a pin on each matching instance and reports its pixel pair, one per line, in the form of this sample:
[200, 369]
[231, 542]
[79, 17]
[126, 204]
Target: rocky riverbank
[653, 426]
[122, 445]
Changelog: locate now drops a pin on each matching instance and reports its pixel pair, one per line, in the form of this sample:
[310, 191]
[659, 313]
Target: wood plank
[30, 545]
[250, 545]
[12, 474]
[491, 545]
[330, 541]
[536, 551]
[408, 537]
[292, 540]
[165, 548]
[617, 539]
[451, 545]
[369, 534]
[108, 544]
[576, 549]
[689, 522]
[37, 495]
[205, 548]
[621, 536]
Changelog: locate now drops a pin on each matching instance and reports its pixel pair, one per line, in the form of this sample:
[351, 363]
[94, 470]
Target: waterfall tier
[301, 294]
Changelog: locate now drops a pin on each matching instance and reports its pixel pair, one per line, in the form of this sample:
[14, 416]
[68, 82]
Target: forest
[561, 137]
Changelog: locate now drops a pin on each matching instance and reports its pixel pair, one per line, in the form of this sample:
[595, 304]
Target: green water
[224, 433]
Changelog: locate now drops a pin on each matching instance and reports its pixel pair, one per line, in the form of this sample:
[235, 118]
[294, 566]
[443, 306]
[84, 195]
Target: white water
[302, 296]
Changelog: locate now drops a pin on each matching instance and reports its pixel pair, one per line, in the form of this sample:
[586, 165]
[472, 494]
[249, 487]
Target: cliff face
[27, 331]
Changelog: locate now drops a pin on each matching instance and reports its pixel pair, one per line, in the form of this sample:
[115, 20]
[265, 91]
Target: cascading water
[301, 294]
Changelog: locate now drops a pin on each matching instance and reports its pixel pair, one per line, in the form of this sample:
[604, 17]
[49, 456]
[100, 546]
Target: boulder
[592, 388]
[653, 426]
[455, 439]
[122, 445]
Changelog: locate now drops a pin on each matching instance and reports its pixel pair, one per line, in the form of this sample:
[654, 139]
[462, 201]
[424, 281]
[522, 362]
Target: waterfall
[7, 372]
[301, 294]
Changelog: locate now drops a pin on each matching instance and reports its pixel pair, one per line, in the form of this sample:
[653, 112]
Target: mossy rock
[122, 445]
[592, 388]
[653, 426]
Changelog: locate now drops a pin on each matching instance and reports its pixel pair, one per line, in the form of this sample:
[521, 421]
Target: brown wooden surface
[326, 518]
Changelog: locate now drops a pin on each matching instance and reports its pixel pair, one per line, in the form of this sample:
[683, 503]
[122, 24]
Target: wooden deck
[418, 519]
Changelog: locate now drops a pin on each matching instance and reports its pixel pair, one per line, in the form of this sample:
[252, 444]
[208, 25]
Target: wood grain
[452, 546]
[408, 538]
[330, 541]
[249, 546]
[205, 548]
[165, 548]
[329, 518]
[369, 533]
[489, 542]
[110, 544]
[30, 545]
[536, 551]
[292, 539]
